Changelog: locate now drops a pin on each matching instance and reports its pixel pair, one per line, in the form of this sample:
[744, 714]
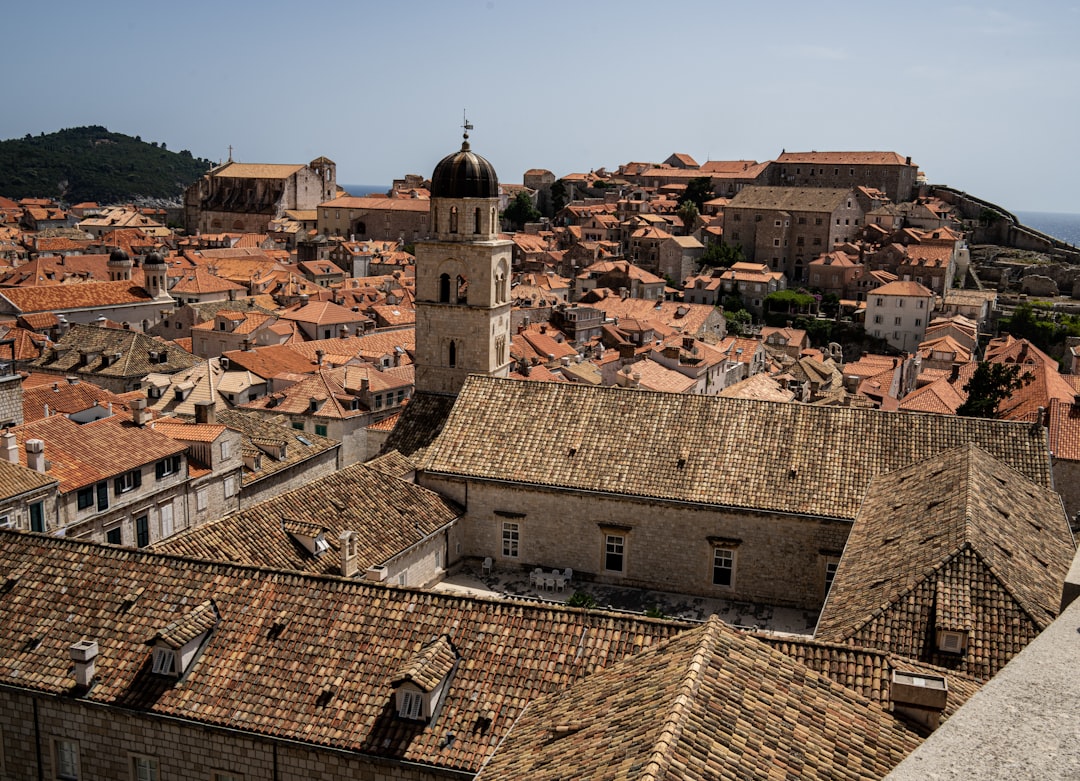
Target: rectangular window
[37, 517]
[86, 497]
[511, 538]
[614, 552]
[201, 499]
[298, 425]
[66, 753]
[776, 242]
[230, 486]
[142, 531]
[226, 452]
[320, 429]
[113, 536]
[144, 769]
[899, 303]
[128, 481]
[103, 495]
[723, 567]
[167, 466]
[918, 321]
[877, 319]
[898, 321]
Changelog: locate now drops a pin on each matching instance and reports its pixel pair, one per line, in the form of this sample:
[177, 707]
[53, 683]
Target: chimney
[319, 355]
[205, 412]
[83, 653]
[920, 698]
[140, 415]
[35, 455]
[10, 447]
[349, 558]
[954, 372]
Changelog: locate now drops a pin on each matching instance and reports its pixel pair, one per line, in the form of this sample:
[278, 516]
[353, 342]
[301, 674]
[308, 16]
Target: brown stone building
[246, 197]
[787, 227]
[886, 171]
[381, 219]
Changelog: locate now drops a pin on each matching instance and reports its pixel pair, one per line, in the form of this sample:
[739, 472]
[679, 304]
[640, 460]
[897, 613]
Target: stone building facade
[886, 171]
[787, 227]
[378, 219]
[246, 197]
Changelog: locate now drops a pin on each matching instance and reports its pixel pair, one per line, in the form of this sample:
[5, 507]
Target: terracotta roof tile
[283, 639]
[697, 706]
[925, 534]
[743, 453]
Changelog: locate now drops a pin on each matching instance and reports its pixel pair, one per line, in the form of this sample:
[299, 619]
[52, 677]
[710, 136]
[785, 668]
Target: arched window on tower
[476, 219]
[444, 289]
[452, 353]
[493, 223]
[453, 219]
[462, 290]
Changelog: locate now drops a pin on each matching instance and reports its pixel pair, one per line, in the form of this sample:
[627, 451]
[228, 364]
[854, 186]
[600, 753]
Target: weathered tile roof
[419, 423]
[738, 452]
[958, 533]
[257, 171]
[843, 158]
[293, 656]
[709, 704]
[189, 626]
[429, 666]
[272, 433]
[796, 199]
[868, 671]
[386, 514]
[134, 349]
[392, 463]
[16, 479]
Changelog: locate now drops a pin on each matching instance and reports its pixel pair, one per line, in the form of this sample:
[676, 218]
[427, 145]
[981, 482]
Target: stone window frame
[62, 770]
[511, 539]
[723, 566]
[144, 767]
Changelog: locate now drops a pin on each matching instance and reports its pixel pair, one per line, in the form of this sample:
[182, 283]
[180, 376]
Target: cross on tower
[467, 125]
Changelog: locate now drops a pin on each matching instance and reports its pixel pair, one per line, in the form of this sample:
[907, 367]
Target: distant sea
[359, 190]
[1059, 225]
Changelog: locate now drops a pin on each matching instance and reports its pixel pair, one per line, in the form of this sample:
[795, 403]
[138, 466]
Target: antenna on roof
[230, 153]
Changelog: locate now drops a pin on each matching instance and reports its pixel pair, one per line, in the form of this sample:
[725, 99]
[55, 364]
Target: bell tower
[462, 278]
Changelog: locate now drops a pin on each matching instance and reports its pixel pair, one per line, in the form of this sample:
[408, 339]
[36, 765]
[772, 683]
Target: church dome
[154, 259]
[464, 174]
[118, 256]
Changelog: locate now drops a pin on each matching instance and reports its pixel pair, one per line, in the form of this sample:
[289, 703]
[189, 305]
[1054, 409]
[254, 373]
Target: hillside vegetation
[91, 164]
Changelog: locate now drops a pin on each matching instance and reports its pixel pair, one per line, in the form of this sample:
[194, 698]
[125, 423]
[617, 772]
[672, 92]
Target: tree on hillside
[990, 384]
[521, 211]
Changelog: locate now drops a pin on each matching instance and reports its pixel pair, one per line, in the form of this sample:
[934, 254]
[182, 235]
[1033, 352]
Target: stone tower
[462, 278]
[156, 272]
[119, 266]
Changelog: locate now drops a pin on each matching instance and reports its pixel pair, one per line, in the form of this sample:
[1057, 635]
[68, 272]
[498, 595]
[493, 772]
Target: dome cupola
[464, 174]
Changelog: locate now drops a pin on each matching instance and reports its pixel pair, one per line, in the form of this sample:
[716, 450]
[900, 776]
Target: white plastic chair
[487, 565]
[568, 574]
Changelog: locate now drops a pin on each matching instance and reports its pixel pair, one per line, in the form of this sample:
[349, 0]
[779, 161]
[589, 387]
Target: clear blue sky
[983, 96]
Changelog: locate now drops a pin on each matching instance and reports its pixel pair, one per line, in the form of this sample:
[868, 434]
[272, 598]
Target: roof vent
[920, 698]
[83, 653]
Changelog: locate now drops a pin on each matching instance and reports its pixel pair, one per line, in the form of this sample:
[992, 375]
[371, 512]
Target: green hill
[91, 164]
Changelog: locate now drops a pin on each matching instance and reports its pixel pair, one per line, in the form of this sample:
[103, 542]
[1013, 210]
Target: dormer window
[422, 681]
[311, 536]
[177, 645]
